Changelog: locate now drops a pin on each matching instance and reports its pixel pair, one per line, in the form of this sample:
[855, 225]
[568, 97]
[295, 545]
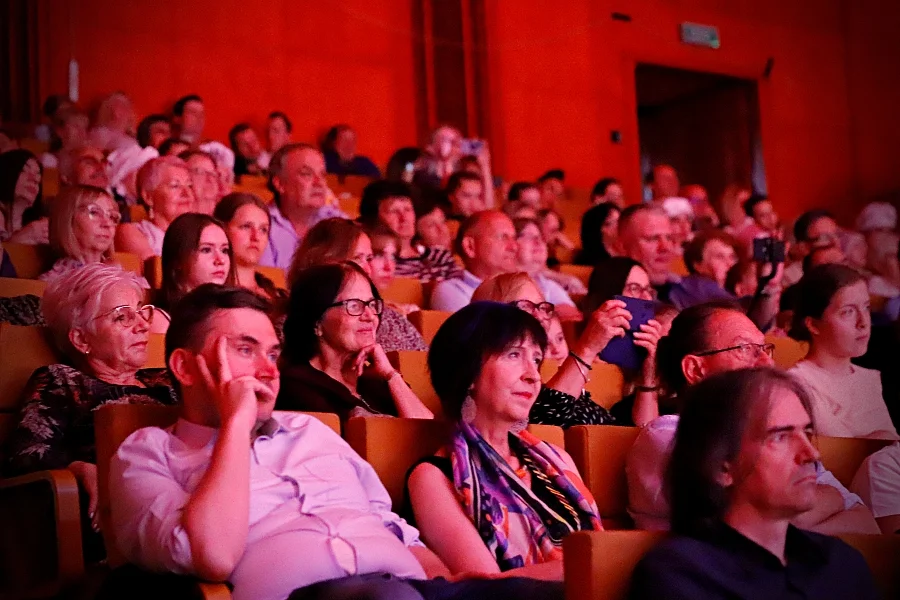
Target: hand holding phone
[623, 351]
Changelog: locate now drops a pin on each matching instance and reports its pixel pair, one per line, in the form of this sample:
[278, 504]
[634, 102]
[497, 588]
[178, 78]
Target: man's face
[729, 329]
[494, 245]
[647, 238]
[345, 144]
[248, 144]
[665, 182]
[302, 180]
[193, 118]
[91, 168]
[765, 216]
[159, 132]
[466, 200]
[531, 197]
[718, 258]
[398, 215]
[823, 232]
[774, 475]
[277, 133]
[551, 190]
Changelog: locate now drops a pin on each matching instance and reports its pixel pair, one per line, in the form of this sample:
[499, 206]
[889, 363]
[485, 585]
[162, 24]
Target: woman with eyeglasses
[331, 361]
[101, 328]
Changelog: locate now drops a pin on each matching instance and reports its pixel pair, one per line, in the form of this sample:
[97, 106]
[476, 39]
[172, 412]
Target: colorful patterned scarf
[506, 513]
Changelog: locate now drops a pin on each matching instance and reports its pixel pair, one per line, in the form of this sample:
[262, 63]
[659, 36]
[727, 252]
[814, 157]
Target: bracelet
[392, 375]
[646, 388]
[580, 360]
[582, 371]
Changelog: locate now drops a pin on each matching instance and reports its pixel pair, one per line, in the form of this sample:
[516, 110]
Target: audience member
[877, 216]
[608, 190]
[765, 219]
[708, 258]
[617, 276]
[663, 183]
[401, 165]
[532, 259]
[124, 165]
[204, 180]
[553, 187]
[101, 327]
[52, 104]
[525, 193]
[383, 266]
[599, 229]
[743, 470]
[189, 118]
[466, 194]
[855, 248]
[813, 229]
[84, 166]
[331, 360]
[496, 500]
[645, 235]
[552, 230]
[70, 131]
[878, 483]
[705, 340]
[278, 131]
[557, 346]
[431, 226]
[681, 215]
[389, 203]
[164, 185]
[487, 244]
[247, 222]
[153, 130]
[439, 161]
[249, 156]
[339, 240]
[115, 123]
[339, 148]
[297, 178]
[883, 264]
[20, 190]
[831, 312]
[173, 146]
[731, 209]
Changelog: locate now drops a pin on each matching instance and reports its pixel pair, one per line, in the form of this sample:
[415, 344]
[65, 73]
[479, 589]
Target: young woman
[599, 229]
[20, 190]
[385, 244]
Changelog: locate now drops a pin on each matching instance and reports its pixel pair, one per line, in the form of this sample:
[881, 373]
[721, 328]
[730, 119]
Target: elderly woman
[101, 327]
[164, 185]
[563, 400]
[205, 179]
[337, 240]
[332, 361]
[531, 257]
[20, 192]
[496, 500]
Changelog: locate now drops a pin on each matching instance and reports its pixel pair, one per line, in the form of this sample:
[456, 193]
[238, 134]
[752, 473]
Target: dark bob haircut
[718, 417]
[467, 339]
[312, 293]
[814, 293]
[377, 192]
[607, 280]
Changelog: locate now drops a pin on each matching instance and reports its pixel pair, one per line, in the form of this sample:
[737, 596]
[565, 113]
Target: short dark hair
[312, 293]
[377, 192]
[751, 203]
[191, 153]
[601, 186]
[689, 334]
[607, 280]
[178, 107]
[693, 252]
[331, 136]
[236, 131]
[806, 220]
[456, 180]
[467, 339]
[516, 189]
[814, 293]
[593, 248]
[552, 174]
[396, 165]
[190, 315]
[167, 144]
[52, 103]
[143, 130]
[277, 114]
[717, 416]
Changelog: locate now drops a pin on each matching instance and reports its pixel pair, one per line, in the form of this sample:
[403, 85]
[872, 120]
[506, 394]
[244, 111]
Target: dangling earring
[468, 410]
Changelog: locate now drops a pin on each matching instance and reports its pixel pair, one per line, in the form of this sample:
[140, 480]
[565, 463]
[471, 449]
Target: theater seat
[413, 367]
[11, 287]
[405, 290]
[137, 213]
[582, 272]
[599, 452]
[428, 322]
[29, 260]
[788, 351]
[349, 204]
[843, 456]
[129, 262]
[153, 272]
[277, 276]
[678, 267]
[348, 184]
[606, 383]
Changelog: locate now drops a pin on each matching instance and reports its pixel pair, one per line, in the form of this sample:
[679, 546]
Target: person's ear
[724, 476]
[468, 246]
[79, 341]
[693, 368]
[809, 322]
[183, 365]
[277, 184]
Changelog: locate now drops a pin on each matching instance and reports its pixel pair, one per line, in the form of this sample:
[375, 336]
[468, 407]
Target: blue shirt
[451, 295]
[284, 239]
[359, 165]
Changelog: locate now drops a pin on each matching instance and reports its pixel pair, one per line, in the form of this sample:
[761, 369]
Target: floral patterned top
[554, 407]
[56, 421]
[21, 310]
[396, 333]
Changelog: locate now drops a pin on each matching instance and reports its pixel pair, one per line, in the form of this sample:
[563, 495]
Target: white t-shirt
[878, 481]
[849, 405]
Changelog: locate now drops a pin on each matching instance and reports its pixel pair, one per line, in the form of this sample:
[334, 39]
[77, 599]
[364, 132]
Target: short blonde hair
[62, 216]
[72, 300]
[503, 288]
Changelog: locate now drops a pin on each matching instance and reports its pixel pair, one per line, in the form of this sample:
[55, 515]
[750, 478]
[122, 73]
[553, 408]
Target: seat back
[678, 267]
[882, 554]
[428, 322]
[278, 276]
[413, 367]
[137, 213]
[348, 184]
[788, 351]
[153, 272]
[598, 564]
[13, 286]
[606, 383]
[129, 262]
[29, 260]
[582, 272]
[599, 452]
[843, 456]
[405, 290]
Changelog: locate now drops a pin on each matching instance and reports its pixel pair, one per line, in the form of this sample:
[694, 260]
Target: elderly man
[85, 165]
[487, 244]
[277, 504]
[297, 178]
[645, 235]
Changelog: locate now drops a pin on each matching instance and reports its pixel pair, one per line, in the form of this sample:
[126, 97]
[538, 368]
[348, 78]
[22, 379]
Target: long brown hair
[329, 241]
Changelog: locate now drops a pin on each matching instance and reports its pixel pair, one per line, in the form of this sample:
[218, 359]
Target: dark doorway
[705, 125]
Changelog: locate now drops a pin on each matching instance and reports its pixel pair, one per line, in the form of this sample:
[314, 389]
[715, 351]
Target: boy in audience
[708, 258]
[276, 504]
[813, 229]
[553, 187]
[742, 470]
[466, 194]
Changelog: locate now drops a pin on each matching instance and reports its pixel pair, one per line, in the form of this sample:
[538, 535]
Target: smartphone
[768, 250]
[470, 146]
[622, 351]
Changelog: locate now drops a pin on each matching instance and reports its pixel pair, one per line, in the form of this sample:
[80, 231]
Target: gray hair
[72, 300]
[150, 176]
[276, 163]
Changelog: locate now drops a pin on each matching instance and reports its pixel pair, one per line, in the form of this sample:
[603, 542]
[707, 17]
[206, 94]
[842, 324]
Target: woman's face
[204, 182]
[95, 224]
[249, 234]
[508, 384]
[345, 332]
[557, 347]
[361, 254]
[384, 265]
[610, 228]
[29, 182]
[532, 249]
[120, 333]
[211, 261]
[432, 229]
[174, 196]
[846, 325]
[637, 285]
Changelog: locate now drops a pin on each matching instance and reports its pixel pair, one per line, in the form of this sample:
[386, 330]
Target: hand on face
[372, 359]
[608, 322]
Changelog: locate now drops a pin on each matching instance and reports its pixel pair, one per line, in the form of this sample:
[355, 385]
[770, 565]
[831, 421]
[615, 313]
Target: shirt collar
[470, 279]
[799, 548]
[198, 436]
[277, 217]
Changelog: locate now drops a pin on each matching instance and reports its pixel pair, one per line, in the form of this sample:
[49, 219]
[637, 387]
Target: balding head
[487, 244]
[645, 235]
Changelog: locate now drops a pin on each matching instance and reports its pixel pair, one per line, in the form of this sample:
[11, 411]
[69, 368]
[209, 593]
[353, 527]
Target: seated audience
[164, 186]
[466, 194]
[339, 148]
[196, 250]
[101, 328]
[115, 123]
[440, 158]
[52, 104]
[878, 483]
[70, 131]
[496, 500]
[431, 226]
[813, 229]
[487, 244]
[278, 131]
[645, 235]
[664, 183]
[705, 340]
[831, 312]
[20, 191]
[85, 165]
[552, 230]
[153, 130]
[705, 216]
[532, 259]
[189, 119]
[882, 263]
[124, 164]
[340, 240]
[524, 194]
[557, 346]
[383, 266]
[331, 360]
[681, 215]
[765, 220]
[708, 258]
[389, 203]
[608, 190]
[297, 179]
[553, 187]
[249, 156]
[599, 229]
[177, 502]
[204, 180]
[173, 146]
[247, 222]
[743, 470]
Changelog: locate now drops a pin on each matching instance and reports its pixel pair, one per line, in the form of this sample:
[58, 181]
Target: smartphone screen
[622, 351]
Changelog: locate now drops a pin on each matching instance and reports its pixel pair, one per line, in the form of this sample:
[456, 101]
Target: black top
[554, 407]
[725, 564]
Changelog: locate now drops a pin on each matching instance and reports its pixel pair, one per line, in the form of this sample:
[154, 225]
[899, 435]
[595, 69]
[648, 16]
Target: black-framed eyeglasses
[637, 290]
[748, 351]
[355, 307]
[126, 316]
[545, 308]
